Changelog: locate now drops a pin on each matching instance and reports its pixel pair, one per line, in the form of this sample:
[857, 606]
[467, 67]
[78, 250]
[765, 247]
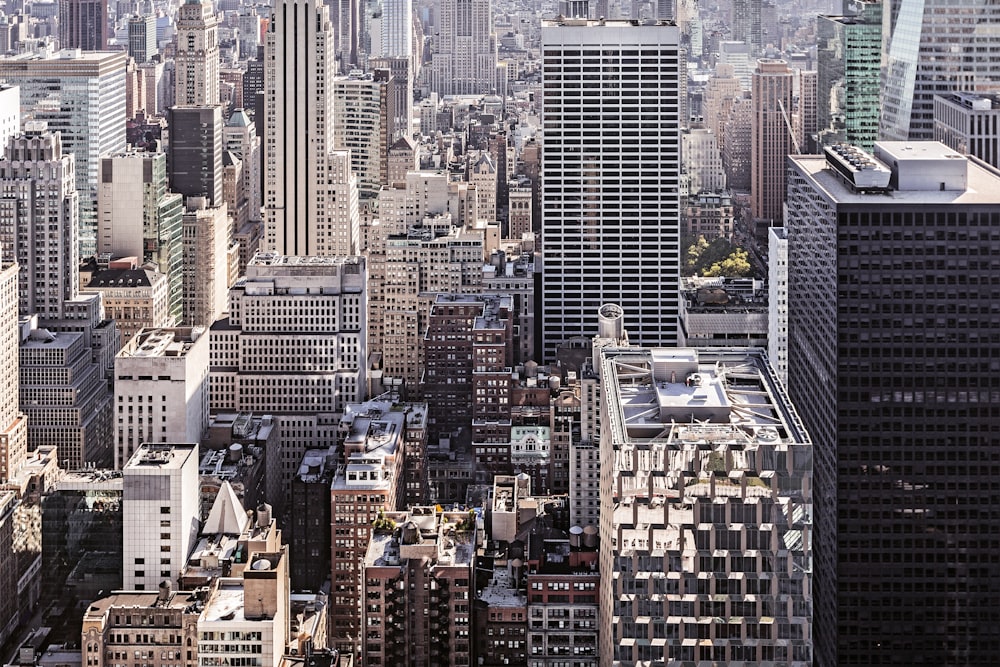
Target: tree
[736, 264]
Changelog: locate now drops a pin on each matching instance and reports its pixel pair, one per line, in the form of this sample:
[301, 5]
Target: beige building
[142, 629]
[207, 261]
[13, 425]
[134, 298]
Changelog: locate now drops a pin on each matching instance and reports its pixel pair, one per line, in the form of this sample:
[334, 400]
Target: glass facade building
[849, 60]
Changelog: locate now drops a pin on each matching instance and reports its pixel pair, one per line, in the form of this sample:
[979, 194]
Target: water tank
[590, 537]
[411, 534]
[555, 382]
[235, 452]
[575, 536]
[610, 321]
[263, 515]
[261, 565]
[523, 483]
[164, 594]
[530, 369]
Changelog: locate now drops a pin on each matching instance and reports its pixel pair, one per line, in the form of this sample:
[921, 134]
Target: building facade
[706, 514]
[196, 62]
[160, 514]
[631, 177]
[889, 359]
[771, 137]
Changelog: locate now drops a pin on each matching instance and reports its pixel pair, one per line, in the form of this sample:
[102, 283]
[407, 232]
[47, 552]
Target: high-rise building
[161, 389]
[10, 114]
[747, 26]
[706, 511]
[206, 261]
[401, 72]
[81, 95]
[194, 154]
[299, 135]
[424, 564]
[464, 52]
[630, 175]
[772, 137]
[160, 514]
[196, 71]
[397, 29]
[13, 426]
[138, 217]
[362, 125]
[967, 123]
[142, 37]
[737, 142]
[891, 360]
[934, 47]
[83, 24]
[777, 301]
[848, 61]
[293, 346]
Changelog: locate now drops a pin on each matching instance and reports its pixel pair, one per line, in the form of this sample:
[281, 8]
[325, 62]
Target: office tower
[777, 301]
[299, 135]
[196, 72]
[400, 82]
[366, 485]
[737, 55]
[82, 96]
[142, 37]
[737, 142]
[298, 356]
[630, 176]
[848, 59]
[161, 389]
[747, 24]
[464, 52]
[169, 617]
[83, 24]
[701, 161]
[481, 171]
[160, 506]
[706, 511]
[362, 125]
[10, 114]
[720, 91]
[39, 208]
[433, 551]
[772, 137]
[239, 136]
[10, 605]
[805, 120]
[890, 360]
[13, 426]
[967, 123]
[934, 48]
[206, 262]
[194, 153]
[138, 217]
[397, 29]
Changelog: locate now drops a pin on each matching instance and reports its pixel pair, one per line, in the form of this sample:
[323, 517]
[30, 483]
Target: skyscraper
[82, 96]
[139, 218]
[397, 28]
[464, 59]
[610, 177]
[142, 37]
[706, 511]
[747, 26]
[299, 134]
[935, 47]
[194, 154]
[772, 137]
[892, 359]
[83, 24]
[13, 425]
[197, 60]
[848, 58]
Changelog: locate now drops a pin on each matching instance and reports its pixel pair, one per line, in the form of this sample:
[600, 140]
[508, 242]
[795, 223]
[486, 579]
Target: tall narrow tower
[299, 131]
[83, 24]
[610, 177]
[772, 138]
[197, 60]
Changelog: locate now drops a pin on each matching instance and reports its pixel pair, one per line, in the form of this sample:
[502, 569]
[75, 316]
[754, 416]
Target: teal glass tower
[848, 63]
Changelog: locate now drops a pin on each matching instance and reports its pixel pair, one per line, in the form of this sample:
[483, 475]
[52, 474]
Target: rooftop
[162, 342]
[161, 456]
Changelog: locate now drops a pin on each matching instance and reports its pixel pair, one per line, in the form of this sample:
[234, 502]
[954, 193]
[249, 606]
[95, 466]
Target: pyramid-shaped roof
[227, 516]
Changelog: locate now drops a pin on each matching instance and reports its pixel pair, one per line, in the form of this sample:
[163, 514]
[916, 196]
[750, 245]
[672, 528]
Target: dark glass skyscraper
[894, 366]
